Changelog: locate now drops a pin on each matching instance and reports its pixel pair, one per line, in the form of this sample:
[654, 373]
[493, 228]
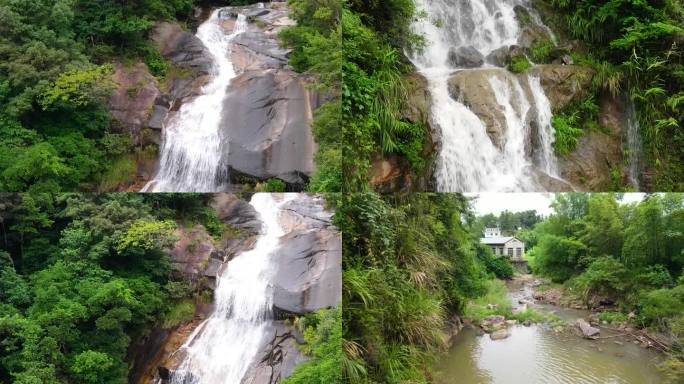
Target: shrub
[612, 317]
[178, 313]
[519, 64]
[604, 276]
[273, 185]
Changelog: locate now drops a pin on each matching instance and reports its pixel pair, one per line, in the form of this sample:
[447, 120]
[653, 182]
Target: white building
[509, 246]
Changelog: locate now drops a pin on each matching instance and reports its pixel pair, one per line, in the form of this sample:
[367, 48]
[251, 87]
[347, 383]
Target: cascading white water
[222, 349]
[634, 146]
[468, 159]
[191, 151]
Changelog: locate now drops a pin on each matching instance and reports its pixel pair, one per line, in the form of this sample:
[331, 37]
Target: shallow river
[538, 355]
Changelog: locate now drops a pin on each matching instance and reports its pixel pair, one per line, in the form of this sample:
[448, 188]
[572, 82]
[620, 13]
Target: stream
[538, 354]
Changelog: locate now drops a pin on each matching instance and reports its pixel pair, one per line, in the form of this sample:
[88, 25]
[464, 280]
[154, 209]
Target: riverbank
[510, 337]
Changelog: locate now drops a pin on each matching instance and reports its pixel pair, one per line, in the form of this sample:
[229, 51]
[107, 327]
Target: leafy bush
[661, 307]
[540, 51]
[571, 124]
[273, 185]
[323, 333]
[519, 64]
[500, 266]
[612, 317]
[178, 313]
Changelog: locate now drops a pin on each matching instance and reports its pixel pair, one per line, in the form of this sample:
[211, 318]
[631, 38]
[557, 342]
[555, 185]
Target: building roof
[496, 240]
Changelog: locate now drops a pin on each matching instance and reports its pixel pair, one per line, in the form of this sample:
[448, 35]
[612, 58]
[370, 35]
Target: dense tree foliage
[637, 47]
[631, 255]
[409, 264]
[81, 276]
[316, 45]
[509, 222]
[54, 127]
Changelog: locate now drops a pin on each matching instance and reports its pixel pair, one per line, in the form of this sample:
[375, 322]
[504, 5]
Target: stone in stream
[588, 331]
[500, 57]
[465, 57]
[500, 334]
[493, 323]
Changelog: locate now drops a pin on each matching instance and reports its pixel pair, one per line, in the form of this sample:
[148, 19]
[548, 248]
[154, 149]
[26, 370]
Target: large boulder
[473, 89]
[465, 57]
[309, 265]
[563, 84]
[191, 253]
[265, 126]
[258, 50]
[182, 47]
[532, 30]
[236, 212]
[500, 57]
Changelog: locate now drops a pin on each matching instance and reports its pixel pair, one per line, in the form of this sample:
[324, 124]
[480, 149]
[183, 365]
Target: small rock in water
[618, 342]
[588, 331]
[527, 323]
[511, 322]
[465, 57]
[500, 334]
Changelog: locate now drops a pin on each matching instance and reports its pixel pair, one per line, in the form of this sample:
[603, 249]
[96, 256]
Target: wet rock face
[310, 259]
[564, 84]
[589, 166]
[279, 357]
[182, 47]
[132, 99]
[474, 90]
[236, 212]
[265, 126]
[268, 109]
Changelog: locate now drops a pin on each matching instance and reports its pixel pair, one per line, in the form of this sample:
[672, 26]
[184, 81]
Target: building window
[494, 250]
[510, 251]
[518, 251]
[501, 251]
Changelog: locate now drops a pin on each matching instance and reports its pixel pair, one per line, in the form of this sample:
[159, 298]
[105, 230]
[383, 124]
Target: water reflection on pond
[538, 355]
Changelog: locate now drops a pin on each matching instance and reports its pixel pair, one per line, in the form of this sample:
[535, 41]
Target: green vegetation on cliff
[409, 265]
[84, 275]
[626, 254]
[323, 334]
[316, 45]
[54, 125]
[637, 47]
[375, 91]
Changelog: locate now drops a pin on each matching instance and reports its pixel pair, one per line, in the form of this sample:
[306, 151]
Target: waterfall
[468, 160]
[221, 349]
[634, 146]
[191, 151]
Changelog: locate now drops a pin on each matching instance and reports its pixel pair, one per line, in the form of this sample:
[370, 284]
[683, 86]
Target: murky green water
[538, 355]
